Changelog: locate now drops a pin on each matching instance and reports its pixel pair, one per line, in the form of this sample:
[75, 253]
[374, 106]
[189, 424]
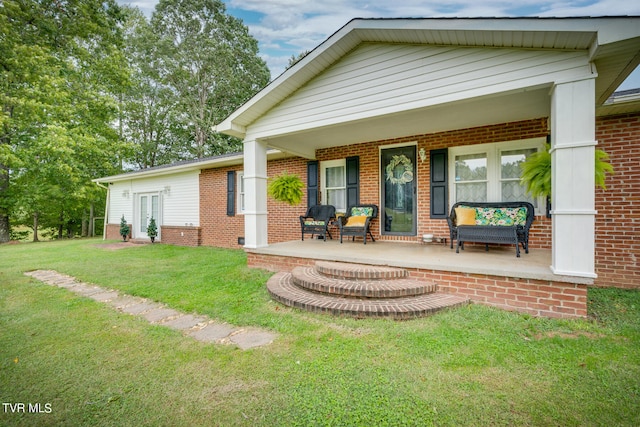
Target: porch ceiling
[502, 108]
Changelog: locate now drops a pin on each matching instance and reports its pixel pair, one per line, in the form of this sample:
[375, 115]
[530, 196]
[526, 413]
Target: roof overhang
[232, 159]
[613, 44]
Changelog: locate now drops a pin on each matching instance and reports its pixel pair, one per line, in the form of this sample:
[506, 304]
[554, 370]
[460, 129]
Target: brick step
[343, 270]
[283, 289]
[311, 279]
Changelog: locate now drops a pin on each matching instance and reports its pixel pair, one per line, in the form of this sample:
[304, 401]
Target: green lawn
[471, 366]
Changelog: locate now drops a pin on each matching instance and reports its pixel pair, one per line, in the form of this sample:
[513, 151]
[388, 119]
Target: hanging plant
[536, 171]
[286, 188]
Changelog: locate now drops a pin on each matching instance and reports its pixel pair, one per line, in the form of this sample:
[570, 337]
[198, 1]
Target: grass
[471, 366]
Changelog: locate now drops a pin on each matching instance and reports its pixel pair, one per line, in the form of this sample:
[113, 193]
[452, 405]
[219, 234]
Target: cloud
[288, 27]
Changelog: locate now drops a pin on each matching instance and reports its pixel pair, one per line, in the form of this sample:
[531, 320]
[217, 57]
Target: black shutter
[438, 187]
[353, 181]
[231, 193]
[312, 183]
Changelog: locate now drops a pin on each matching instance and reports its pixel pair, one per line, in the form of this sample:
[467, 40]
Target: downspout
[106, 210]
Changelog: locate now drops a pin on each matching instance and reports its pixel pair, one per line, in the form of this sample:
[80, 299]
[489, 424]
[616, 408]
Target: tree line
[92, 89]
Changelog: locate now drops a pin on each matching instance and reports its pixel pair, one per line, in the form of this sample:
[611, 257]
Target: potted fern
[286, 188]
[536, 172]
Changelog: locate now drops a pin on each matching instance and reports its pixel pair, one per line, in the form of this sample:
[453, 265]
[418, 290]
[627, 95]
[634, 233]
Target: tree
[295, 59]
[211, 63]
[60, 65]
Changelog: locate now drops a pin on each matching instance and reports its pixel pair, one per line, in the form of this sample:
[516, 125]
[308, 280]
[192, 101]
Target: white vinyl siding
[179, 198]
[378, 79]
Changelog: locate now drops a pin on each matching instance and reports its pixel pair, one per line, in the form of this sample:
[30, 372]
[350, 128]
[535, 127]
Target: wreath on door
[405, 173]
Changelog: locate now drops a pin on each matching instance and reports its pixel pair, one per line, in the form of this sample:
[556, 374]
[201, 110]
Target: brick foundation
[182, 236]
[536, 297]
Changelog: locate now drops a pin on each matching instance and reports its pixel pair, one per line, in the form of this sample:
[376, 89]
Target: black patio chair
[317, 221]
[357, 222]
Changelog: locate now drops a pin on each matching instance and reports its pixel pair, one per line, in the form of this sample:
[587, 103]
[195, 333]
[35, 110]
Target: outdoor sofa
[491, 222]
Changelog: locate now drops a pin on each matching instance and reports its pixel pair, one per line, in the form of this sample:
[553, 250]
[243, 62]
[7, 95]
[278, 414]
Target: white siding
[179, 195]
[379, 79]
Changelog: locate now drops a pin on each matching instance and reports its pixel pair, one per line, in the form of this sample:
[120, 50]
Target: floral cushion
[361, 211]
[314, 222]
[501, 216]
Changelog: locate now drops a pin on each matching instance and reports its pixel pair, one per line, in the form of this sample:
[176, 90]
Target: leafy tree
[60, 64]
[211, 63]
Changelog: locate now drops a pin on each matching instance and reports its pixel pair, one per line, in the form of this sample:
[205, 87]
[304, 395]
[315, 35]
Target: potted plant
[286, 188]
[152, 230]
[124, 228]
[536, 172]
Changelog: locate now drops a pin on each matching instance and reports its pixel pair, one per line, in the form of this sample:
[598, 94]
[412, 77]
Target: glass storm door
[398, 190]
[149, 208]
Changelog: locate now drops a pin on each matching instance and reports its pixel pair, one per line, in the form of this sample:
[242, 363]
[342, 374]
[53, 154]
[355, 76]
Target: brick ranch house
[434, 96]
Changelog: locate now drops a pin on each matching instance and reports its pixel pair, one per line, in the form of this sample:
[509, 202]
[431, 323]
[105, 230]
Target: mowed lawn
[85, 363]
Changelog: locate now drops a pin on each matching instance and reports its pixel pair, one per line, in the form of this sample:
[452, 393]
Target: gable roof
[613, 44]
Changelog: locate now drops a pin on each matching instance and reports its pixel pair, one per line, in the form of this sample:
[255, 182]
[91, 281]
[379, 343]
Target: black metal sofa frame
[357, 230]
[500, 234]
[317, 221]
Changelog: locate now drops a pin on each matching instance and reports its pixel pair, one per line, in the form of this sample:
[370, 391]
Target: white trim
[397, 145]
[572, 273]
[574, 212]
[240, 196]
[493, 151]
[575, 144]
[324, 165]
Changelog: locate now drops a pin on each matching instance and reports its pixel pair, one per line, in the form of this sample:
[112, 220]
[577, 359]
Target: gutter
[106, 210]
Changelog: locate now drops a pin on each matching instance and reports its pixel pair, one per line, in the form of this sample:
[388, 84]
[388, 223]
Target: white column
[255, 193]
[573, 183]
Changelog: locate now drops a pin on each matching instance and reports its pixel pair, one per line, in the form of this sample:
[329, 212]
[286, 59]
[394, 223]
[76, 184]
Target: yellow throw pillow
[465, 216]
[356, 221]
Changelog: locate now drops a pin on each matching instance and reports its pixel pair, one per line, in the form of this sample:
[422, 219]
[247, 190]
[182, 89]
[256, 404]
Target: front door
[148, 207]
[398, 213]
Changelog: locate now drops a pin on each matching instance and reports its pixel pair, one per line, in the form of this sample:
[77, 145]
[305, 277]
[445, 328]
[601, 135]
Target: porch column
[573, 183]
[255, 190]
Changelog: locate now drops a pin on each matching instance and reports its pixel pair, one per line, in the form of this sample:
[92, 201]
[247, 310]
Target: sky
[285, 28]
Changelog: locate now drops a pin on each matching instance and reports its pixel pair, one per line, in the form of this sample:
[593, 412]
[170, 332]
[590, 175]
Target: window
[240, 191]
[333, 183]
[491, 172]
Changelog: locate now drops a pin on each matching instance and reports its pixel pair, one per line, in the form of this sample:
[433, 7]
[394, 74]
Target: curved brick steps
[344, 270]
[313, 279]
[282, 288]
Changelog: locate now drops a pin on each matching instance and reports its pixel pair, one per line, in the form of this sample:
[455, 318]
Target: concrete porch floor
[498, 261]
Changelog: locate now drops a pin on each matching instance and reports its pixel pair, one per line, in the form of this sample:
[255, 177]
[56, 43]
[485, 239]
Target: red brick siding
[217, 228]
[370, 171]
[536, 297]
[179, 235]
[618, 218]
[113, 232]
[221, 230]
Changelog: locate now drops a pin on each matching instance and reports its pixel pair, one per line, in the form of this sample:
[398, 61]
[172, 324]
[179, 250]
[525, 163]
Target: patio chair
[317, 221]
[357, 222]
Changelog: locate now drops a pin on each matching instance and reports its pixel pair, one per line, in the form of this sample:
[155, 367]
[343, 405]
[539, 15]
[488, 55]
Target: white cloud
[287, 27]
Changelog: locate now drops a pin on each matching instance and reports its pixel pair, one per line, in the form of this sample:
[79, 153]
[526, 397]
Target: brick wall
[536, 297]
[180, 235]
[218, 229]
[618, 218]
[370, 171]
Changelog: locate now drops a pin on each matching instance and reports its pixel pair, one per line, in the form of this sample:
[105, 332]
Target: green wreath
[406, 175]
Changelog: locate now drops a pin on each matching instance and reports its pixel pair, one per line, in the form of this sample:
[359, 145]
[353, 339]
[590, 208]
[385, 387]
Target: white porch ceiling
[509, 107]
